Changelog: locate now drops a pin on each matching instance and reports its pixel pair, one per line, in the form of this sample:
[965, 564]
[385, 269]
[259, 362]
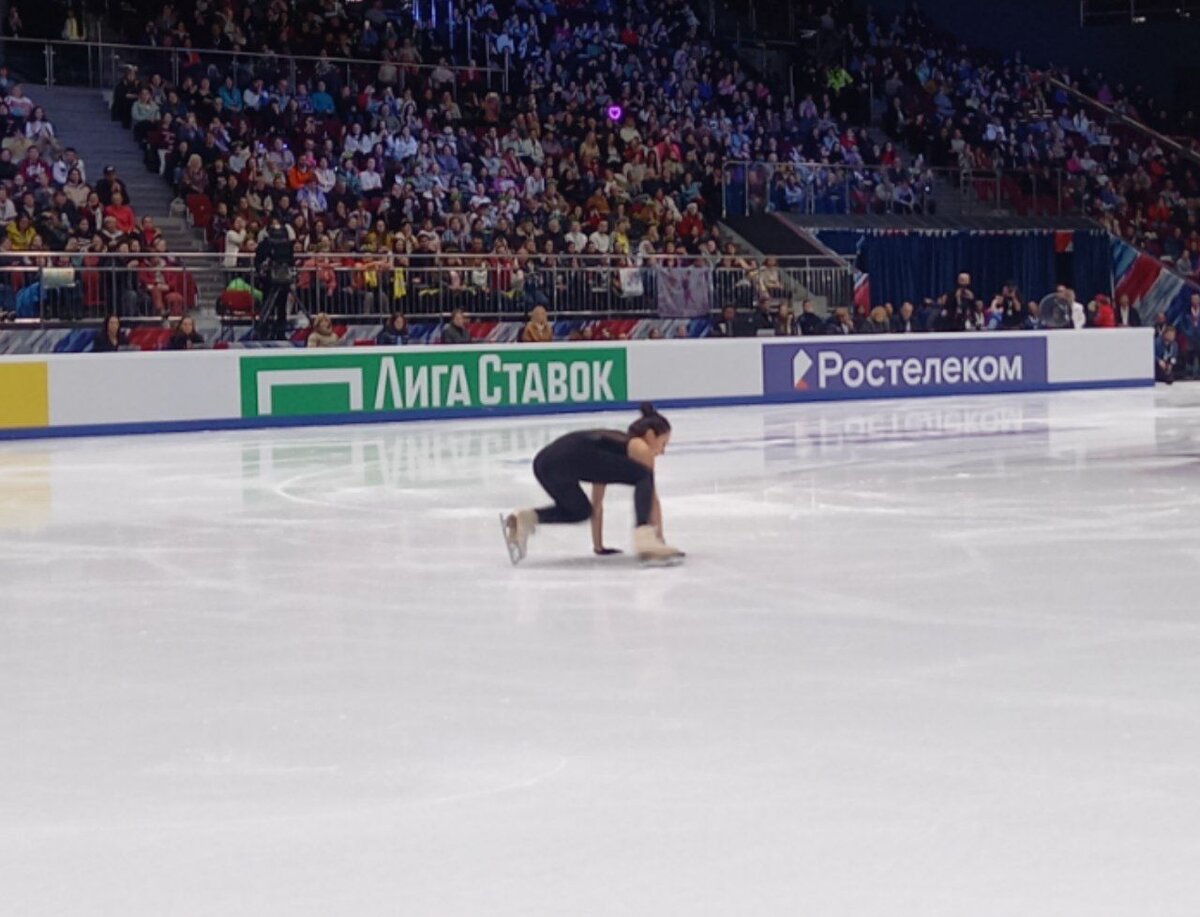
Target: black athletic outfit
[595, 456]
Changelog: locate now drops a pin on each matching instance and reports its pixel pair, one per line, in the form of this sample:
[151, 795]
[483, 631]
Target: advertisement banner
[826, 368]
[430, 380]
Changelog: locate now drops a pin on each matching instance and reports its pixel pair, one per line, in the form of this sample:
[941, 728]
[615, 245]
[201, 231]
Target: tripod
[272, 322]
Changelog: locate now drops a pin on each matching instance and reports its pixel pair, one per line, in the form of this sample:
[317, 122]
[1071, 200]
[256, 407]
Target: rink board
[87, 394]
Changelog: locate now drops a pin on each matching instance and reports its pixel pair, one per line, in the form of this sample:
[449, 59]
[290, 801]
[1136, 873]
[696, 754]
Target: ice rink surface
[925, 658]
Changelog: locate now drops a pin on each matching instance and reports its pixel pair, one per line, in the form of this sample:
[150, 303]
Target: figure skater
[599, 457]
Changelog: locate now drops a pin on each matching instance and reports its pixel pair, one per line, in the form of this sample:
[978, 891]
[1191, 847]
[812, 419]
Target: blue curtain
[913, 265]
[1093, 264]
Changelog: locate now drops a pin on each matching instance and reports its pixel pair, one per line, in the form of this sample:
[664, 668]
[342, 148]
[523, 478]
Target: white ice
[925, 658]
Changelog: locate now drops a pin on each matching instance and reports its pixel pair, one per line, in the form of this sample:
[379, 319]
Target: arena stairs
[81, 120]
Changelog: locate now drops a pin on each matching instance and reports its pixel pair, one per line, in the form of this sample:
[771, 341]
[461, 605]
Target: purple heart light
[615, 112]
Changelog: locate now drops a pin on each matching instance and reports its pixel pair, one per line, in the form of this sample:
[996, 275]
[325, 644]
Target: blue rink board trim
[325, 420]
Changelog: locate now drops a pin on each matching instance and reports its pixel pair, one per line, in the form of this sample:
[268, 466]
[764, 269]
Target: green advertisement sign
[371, 382]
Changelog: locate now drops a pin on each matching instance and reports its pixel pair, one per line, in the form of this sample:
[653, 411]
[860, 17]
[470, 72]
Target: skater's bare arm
[598, 520]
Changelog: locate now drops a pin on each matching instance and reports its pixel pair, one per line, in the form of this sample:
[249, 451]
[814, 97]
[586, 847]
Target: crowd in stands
[956, 108]
[68, 232]
[1001, 127]
[607, 138]
[406, 161]
[960, 309]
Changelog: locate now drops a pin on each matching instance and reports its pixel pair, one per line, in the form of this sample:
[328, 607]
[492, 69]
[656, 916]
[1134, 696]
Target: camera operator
[275, 261]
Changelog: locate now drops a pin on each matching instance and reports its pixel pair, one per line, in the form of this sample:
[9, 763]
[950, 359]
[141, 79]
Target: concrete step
[81, 119]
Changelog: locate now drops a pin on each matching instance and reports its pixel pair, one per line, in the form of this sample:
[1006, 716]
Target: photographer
[1008, 305]
[960, 308]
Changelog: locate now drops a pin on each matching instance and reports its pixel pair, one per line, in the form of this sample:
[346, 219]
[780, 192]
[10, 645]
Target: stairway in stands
[81, 120]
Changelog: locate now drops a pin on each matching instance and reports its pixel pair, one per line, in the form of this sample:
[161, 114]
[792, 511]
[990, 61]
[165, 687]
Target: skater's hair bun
[650, 420]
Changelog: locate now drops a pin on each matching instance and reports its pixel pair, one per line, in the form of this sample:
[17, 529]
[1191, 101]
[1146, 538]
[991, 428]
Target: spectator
[1057, 309]
[839, 322]
[322, 333]
[538, 330]
[110, 184]
[67, 163]
[457, 331]
[960, 307]
[763, 321]
[395, 332]
[235, 241]
[1166, 356]
[38, 130]
[21, 234]
[1105, 316]
[144, 114]
[904, 321]
[1078, 312]
[810, 322]
[727, 327]
[785, 322]
[184, 336]
[194, 178]
[1009, 308]
[19, 105]
[121, 213]
[1127, 315]
[111, 337]
[1189, 328]
[877, 322]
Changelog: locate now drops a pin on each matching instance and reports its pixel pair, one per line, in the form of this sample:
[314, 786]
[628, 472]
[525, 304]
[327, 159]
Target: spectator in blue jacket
[1166, 356]
[1189, 326]
[395, 332]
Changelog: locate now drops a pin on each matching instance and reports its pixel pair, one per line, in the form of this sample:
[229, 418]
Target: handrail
[237, 54]
[273, 56]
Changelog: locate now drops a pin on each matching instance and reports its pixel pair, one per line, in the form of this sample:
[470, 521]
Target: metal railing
[71, 287]
[101, 64]
[752, 188]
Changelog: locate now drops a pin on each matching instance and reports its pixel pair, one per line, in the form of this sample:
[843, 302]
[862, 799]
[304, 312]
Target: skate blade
[673, 561]
[514, 549]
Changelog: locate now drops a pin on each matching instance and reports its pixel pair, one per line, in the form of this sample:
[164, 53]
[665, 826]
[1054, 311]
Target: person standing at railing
[124, 95]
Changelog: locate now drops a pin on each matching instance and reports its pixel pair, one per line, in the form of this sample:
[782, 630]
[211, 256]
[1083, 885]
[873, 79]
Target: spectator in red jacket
[1106, 315]
[122, 213]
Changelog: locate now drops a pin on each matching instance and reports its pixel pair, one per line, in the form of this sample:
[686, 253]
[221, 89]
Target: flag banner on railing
[684, 292]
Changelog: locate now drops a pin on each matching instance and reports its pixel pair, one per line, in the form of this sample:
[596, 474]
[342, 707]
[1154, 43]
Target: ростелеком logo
[801, 364]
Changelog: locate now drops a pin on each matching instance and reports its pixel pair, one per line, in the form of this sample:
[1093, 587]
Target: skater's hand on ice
[605, 552]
